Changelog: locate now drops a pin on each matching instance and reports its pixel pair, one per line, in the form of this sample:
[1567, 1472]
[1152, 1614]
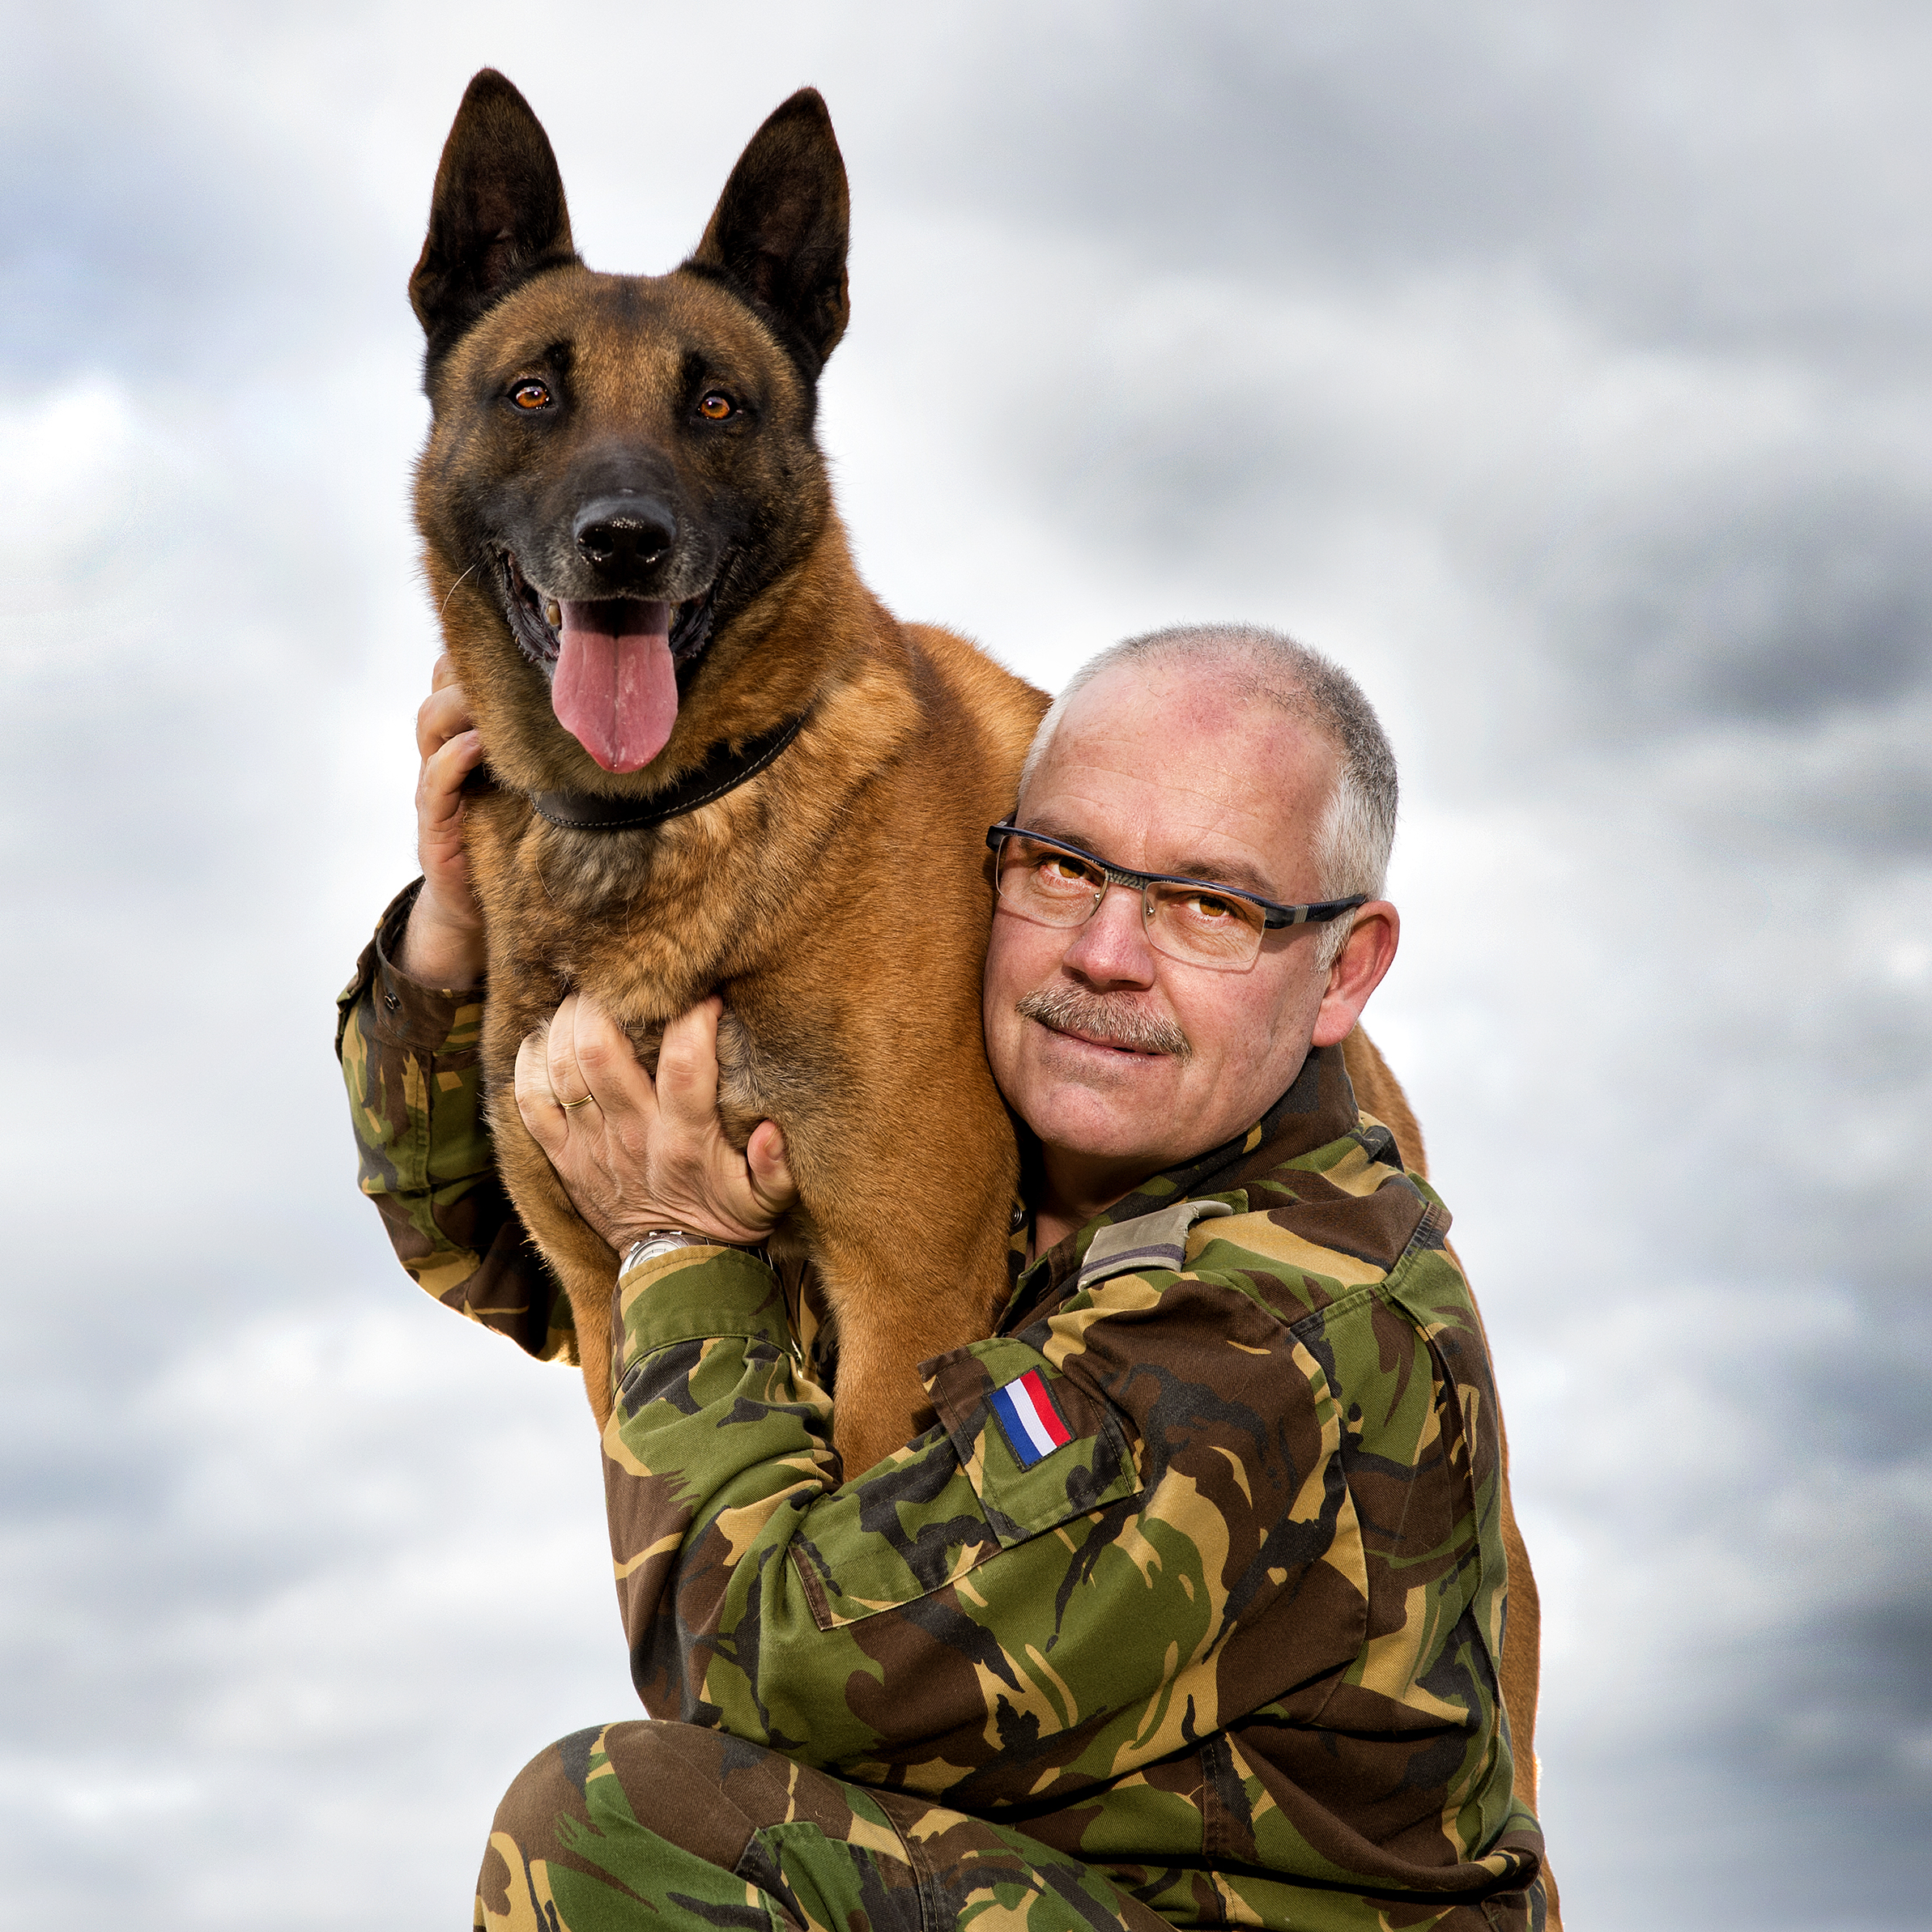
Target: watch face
[654, 1245]
[664, 1240]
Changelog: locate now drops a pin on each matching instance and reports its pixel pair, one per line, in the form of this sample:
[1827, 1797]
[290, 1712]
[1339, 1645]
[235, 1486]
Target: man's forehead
[1225, 783]
[1201, 698]
[1205, 721]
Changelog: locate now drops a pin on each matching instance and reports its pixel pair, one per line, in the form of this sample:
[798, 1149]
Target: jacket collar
[1317, 1110]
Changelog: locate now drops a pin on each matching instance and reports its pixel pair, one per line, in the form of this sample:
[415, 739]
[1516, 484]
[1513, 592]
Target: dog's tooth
[553, 612]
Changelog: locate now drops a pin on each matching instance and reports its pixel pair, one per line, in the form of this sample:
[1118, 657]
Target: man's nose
[1111, 949]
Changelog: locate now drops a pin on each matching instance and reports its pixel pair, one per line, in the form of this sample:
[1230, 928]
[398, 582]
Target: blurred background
[1561, 369]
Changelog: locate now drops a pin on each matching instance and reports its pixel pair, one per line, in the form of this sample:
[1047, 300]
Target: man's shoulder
[1350, 1201]
[1333, 1226]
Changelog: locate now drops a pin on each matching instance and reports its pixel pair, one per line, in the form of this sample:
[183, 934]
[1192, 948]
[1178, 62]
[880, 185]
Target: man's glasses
[1191, 920]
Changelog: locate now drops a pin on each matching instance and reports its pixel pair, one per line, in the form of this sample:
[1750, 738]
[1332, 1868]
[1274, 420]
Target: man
[1187, 1610]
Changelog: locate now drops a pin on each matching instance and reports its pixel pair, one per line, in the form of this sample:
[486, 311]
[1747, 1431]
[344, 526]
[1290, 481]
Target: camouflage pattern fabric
[664, 1825]
[410, 1056]
[1220, 1625]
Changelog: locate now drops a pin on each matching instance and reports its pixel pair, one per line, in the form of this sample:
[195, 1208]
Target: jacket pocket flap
[1038, 1447]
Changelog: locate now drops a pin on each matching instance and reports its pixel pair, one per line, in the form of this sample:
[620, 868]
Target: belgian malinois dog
[721, 764]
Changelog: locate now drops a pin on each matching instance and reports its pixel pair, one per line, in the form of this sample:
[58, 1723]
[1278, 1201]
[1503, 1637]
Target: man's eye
[1054, 870]
[1208, 909]
[531, 395]
[714, 406]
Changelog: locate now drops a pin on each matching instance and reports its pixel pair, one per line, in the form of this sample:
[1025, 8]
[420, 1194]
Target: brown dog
[721, 764]
[647, 593]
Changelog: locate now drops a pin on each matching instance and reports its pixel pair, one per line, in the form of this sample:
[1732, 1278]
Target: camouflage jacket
[1198, 1575]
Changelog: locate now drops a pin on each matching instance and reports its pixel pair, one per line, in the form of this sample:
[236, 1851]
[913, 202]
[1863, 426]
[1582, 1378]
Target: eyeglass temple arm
[1320, 914]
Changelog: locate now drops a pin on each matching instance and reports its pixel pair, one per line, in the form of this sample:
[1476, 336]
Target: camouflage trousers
[667, 1825]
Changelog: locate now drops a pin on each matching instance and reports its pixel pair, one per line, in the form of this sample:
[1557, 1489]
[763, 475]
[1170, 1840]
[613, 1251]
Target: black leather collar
[723, 771]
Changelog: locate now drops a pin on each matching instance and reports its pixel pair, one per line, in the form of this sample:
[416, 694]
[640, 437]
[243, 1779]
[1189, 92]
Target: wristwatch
[662, 1241]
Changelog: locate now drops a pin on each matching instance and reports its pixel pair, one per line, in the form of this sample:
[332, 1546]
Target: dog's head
[619, 465]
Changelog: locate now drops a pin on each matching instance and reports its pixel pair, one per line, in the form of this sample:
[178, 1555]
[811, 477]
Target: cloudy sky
[1562, 369]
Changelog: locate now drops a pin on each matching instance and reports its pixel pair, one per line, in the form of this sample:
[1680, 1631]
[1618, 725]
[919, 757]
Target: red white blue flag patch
[1032, 1424]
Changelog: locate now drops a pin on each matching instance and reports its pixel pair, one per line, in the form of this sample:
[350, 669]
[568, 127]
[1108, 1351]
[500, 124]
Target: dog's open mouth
[615, 665]
[537, 620]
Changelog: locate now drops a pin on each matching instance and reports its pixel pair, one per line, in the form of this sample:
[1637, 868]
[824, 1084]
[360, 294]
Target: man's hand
[636, 1154]
[443, 944]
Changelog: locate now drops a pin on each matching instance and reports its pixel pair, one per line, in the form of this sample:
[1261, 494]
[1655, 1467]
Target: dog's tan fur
[840, 901]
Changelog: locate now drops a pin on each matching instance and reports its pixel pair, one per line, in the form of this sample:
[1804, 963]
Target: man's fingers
[687, 1067]
[771, 1173]
[630, 1163]
[605, 1061]
[440, 717]
[443, 944]
[567, 1078]
[536, 1099]
[440, 797]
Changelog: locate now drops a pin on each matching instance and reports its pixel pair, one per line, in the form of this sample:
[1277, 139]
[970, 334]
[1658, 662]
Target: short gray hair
[1358, 829]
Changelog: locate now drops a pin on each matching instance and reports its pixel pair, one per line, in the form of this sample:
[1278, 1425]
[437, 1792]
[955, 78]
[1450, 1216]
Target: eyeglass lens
[1186, 921]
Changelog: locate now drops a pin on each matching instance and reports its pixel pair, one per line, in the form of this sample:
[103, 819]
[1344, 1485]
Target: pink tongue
[615, 691]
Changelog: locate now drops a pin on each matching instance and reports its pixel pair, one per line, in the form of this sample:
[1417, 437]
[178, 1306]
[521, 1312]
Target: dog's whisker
[453, 588]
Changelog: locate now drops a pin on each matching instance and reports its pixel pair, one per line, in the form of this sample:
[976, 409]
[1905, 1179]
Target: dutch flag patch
[1032, 1424]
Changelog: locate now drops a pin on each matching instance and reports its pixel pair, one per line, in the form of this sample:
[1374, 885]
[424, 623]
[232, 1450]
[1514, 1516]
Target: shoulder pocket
[1037, 1447]
[909, 1529]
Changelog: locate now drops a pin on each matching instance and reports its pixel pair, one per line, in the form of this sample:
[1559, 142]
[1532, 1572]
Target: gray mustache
[1067, 1009]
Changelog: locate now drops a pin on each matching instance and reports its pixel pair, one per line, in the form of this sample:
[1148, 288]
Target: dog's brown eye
[715, 406]
[531, 395]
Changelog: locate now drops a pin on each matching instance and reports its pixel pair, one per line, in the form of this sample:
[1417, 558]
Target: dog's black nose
[625, 532]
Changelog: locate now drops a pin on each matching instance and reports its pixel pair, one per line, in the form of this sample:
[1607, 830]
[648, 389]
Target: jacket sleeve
[410, 1057]
[1132, 1518]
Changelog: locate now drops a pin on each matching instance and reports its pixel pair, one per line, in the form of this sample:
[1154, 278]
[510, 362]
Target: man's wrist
[437, 950]
[655, 1241]
[709, 1291]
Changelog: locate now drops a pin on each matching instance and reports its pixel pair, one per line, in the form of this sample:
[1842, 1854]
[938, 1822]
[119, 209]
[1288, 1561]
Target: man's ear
[778, 234]
[1366, 955]
[496, 215]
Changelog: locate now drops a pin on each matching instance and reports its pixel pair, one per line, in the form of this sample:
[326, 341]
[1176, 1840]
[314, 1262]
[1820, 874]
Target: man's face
[1166, 771]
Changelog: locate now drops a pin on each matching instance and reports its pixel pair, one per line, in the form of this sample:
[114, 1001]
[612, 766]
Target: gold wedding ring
[584, 1102]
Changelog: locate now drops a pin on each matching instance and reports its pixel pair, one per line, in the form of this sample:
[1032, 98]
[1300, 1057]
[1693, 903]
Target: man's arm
[409, 1059]
[957, 1617]
[407, 1034]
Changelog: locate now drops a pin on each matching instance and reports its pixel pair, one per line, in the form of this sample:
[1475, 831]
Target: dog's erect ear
[778, 233]
[496, 215]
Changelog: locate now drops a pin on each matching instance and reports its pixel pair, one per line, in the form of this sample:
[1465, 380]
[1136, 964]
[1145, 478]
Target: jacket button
[390, 1002]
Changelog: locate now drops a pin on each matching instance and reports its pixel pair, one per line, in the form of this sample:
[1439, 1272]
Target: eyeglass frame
[1276, 918]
